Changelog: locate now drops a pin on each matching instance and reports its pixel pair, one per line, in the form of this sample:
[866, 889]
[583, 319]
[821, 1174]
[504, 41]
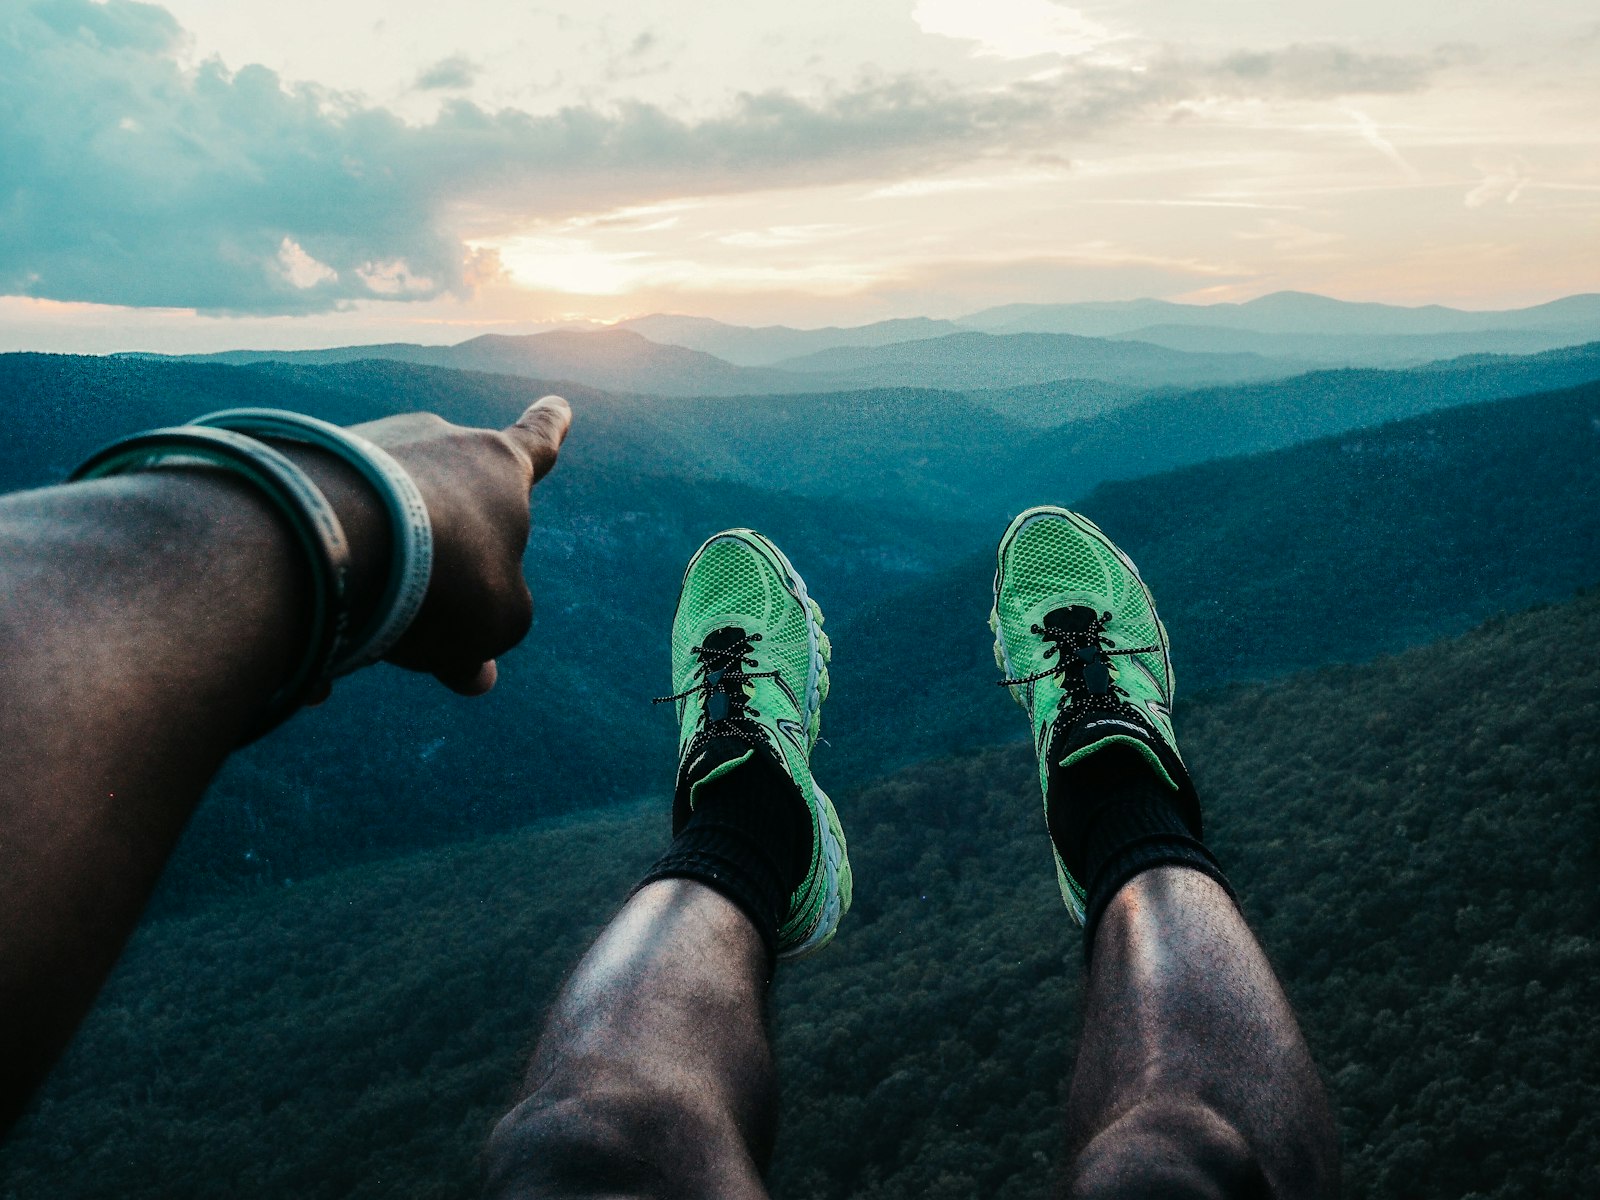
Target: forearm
[144, 622]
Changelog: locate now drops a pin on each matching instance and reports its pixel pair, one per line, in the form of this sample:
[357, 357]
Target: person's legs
[653, 1076]
[1193, 1078]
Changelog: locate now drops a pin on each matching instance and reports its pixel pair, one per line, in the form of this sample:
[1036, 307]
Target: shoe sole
[830, 834]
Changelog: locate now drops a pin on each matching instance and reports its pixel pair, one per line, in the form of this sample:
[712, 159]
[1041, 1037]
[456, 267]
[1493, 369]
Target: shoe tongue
[724, 638]
[1074, 618]
[1078, 619]
[718, 704]
[717, 758]
[1070, 745]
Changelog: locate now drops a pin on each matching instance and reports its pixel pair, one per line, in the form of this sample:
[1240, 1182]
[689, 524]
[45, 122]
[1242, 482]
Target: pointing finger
[540, 432]
[474, 681]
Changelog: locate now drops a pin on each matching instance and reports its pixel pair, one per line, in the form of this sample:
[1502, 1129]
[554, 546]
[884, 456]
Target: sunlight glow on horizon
[862, 161]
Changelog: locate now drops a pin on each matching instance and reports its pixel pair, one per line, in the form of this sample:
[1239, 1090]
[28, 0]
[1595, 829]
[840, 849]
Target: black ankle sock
[749, 838]
[1120, 819]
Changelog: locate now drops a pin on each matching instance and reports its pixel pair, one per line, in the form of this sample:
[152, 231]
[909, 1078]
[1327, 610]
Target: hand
[477, 484]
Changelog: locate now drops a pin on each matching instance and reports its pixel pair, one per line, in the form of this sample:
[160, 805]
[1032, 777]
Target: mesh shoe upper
[1077, 635]
[750, 662]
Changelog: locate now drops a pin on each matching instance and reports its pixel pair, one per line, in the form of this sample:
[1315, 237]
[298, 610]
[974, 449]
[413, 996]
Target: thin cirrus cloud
[132, 180]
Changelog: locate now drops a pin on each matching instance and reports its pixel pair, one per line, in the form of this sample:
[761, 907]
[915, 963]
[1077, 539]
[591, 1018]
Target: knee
[618, 1135]
[571, 1145]
[1182, 1149]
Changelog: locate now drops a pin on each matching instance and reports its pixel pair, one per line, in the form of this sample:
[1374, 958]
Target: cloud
[1013, 28]
[1331, 70]
[448, 74]
[132, 180]
[300, 269]
[1373, 136]
[1502, 183]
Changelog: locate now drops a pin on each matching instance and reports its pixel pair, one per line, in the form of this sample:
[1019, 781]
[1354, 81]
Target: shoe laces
[721, 671]
[1074, 650]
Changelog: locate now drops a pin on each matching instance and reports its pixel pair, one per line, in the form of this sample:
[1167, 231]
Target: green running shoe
[750, 672]
[1077, 635]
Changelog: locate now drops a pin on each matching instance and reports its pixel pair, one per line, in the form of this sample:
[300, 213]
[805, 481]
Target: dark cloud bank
[126, 180]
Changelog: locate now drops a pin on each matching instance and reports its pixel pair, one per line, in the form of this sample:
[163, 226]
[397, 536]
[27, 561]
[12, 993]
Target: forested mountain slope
[943, 453]
[1177, 429]
[767, 344]
[910, 448]
[949, 454]
[1415, 839]
[1327, 552]
[1359, 350]
[1336, 550]
[618, 359]
[1288, 313]
[958, 361]
[59, 408]
[393, 761]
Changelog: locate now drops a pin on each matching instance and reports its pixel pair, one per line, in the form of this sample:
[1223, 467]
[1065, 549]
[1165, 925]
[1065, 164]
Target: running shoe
[750, 673]
[1084, 653]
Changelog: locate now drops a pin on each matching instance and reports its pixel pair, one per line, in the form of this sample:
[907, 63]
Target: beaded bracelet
[411, 563]
[292, 493]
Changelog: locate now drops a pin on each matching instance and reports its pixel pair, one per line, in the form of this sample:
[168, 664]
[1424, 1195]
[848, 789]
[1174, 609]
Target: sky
[204, 174]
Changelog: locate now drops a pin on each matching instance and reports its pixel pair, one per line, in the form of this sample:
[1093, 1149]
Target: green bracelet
[292, 493]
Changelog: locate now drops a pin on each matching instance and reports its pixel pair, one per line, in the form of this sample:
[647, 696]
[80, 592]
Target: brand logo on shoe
[792, 730]
[1139, 729]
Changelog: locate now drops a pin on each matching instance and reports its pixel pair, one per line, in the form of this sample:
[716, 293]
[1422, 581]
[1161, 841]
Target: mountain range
[900, 446]
[622, 360]
[1285, 313]
[889, 502]
[334, 991]
[1132, 346]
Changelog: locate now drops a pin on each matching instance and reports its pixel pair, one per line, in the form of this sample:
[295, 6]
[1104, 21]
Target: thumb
[540, 432]
[473, 681]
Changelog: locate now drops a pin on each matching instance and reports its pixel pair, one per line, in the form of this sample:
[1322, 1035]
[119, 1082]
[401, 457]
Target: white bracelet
[296, 499]
[411, 563]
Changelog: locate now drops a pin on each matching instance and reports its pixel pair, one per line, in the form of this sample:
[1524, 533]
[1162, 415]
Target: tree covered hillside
[1416, 840]
[394, 761]
[1337, 550]
[1333, 551]
[1182, 428]
[976, 455]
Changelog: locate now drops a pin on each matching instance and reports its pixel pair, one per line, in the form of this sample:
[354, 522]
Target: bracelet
[411, 564]
[292, 493]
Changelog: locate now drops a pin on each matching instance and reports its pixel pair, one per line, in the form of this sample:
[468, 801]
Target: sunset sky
[200, 174]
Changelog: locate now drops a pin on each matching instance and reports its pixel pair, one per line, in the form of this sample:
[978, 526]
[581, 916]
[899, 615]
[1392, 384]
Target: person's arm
[145, 620]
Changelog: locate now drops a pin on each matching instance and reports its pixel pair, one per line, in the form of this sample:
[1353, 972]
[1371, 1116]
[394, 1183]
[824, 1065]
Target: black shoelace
[721, 673]
[1074, 651]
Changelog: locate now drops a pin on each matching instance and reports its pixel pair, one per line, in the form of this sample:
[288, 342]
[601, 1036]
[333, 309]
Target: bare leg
[653, 1076]
[1193, 1078]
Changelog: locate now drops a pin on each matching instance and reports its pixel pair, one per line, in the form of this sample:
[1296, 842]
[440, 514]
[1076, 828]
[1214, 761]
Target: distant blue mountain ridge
[1135, 345]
